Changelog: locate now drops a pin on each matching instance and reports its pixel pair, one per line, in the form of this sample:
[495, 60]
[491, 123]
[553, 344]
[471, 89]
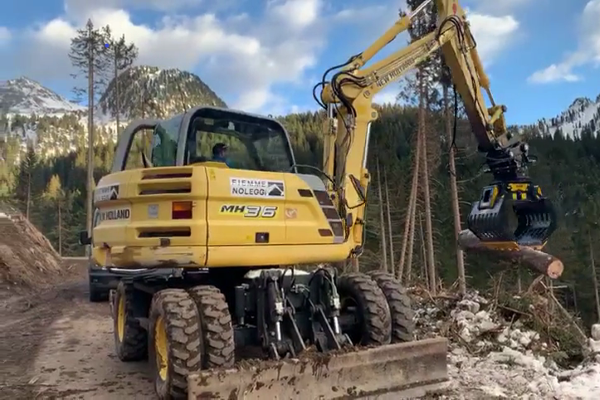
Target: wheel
[174, 344]
[361, 298]
[131, 340]
[399, 301]
[216, 328]
[97, 295]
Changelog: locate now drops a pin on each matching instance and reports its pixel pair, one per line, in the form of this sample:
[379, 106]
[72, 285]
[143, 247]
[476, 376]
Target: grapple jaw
[510, 215]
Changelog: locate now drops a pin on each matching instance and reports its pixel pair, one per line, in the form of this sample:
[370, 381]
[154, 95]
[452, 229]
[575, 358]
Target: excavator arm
[511, 213]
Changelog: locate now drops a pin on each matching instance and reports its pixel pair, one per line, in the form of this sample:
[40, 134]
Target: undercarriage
[204, 321]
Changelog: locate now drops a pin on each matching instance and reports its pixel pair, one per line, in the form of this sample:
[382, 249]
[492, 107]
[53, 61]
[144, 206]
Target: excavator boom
[348, 99]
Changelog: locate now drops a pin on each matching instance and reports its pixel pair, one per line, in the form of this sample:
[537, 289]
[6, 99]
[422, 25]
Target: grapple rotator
[514, 214]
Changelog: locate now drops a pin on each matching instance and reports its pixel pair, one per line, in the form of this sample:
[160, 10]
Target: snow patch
[25, 97]
[583, 115]
[493, 358]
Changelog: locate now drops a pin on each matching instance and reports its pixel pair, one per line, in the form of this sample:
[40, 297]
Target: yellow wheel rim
[160, 344]
[121, 318]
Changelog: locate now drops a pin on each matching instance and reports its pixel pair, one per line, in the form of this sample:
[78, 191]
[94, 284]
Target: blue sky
[265, 55]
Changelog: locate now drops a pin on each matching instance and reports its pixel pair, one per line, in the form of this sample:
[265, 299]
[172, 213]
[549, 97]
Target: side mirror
[84, 238]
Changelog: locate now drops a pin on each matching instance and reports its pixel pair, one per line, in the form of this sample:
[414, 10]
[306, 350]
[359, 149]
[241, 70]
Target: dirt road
[58, 345]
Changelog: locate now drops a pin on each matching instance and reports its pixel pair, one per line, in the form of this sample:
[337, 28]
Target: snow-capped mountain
[31, 114]
[149, 91]
[582, 116]
[25, 97]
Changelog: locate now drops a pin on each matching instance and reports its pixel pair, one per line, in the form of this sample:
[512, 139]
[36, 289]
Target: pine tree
[55, 195]
[25, 190]
[88, 55]
[122, 55]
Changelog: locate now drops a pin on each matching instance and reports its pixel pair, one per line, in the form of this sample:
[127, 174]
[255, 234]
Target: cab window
[164, 142]
[252, 143]
[140, 144]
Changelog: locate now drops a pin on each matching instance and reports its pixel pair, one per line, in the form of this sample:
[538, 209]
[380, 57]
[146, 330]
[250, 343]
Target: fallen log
[535, 260]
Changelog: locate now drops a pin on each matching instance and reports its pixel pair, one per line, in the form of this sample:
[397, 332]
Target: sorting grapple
[512, 214]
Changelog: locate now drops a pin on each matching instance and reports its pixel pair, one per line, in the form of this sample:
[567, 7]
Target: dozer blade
[404, 370]
[509, 224]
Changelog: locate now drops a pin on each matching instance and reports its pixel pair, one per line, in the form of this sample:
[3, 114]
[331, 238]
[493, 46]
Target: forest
[52, 193]
[418, 152]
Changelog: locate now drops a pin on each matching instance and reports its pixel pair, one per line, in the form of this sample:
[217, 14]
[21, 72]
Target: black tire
[174, 311]
[218, 343]
[132, 343]
[97, 295]
[372, 310]
[400, 304]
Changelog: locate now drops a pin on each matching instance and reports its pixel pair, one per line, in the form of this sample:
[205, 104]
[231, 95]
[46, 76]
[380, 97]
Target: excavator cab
[510, 215]
[253, 143]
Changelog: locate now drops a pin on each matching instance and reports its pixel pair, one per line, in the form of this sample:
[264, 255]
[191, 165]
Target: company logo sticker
[242, 187]
[116, 214]
[106, 193]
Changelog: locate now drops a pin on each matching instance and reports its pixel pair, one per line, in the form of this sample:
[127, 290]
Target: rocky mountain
[25, 96]
[31, 114]
[582, 116]
[144, 91]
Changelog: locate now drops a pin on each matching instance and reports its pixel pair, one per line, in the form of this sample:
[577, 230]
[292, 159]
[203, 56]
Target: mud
[54, 344]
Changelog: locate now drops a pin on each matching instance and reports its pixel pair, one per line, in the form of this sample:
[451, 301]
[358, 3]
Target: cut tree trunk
[535, 260]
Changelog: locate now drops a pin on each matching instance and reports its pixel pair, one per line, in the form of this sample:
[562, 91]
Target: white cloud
[556, 73]
[244, 58]
[498, 8]
[298, 14]
[492, 34]
[240, 59]
[587, 50]
[5, 35]
[387, 95]
[81, 8]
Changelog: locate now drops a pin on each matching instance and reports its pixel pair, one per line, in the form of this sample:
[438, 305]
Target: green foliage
[88, 52]
[43, 185]
[567, 171]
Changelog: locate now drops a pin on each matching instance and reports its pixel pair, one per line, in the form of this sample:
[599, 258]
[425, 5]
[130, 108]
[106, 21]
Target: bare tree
[460, 260]
[426, 192]
[122, 56]
[88, 56]
[389, 221]
[411, 239]
[424, 270]
[409, 219]
[382, 231]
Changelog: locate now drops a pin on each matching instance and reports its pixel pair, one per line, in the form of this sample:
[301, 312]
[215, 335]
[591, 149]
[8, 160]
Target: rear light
[181, 210]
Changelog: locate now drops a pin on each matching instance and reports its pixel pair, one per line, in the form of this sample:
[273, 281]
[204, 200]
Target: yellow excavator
[209, 244]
